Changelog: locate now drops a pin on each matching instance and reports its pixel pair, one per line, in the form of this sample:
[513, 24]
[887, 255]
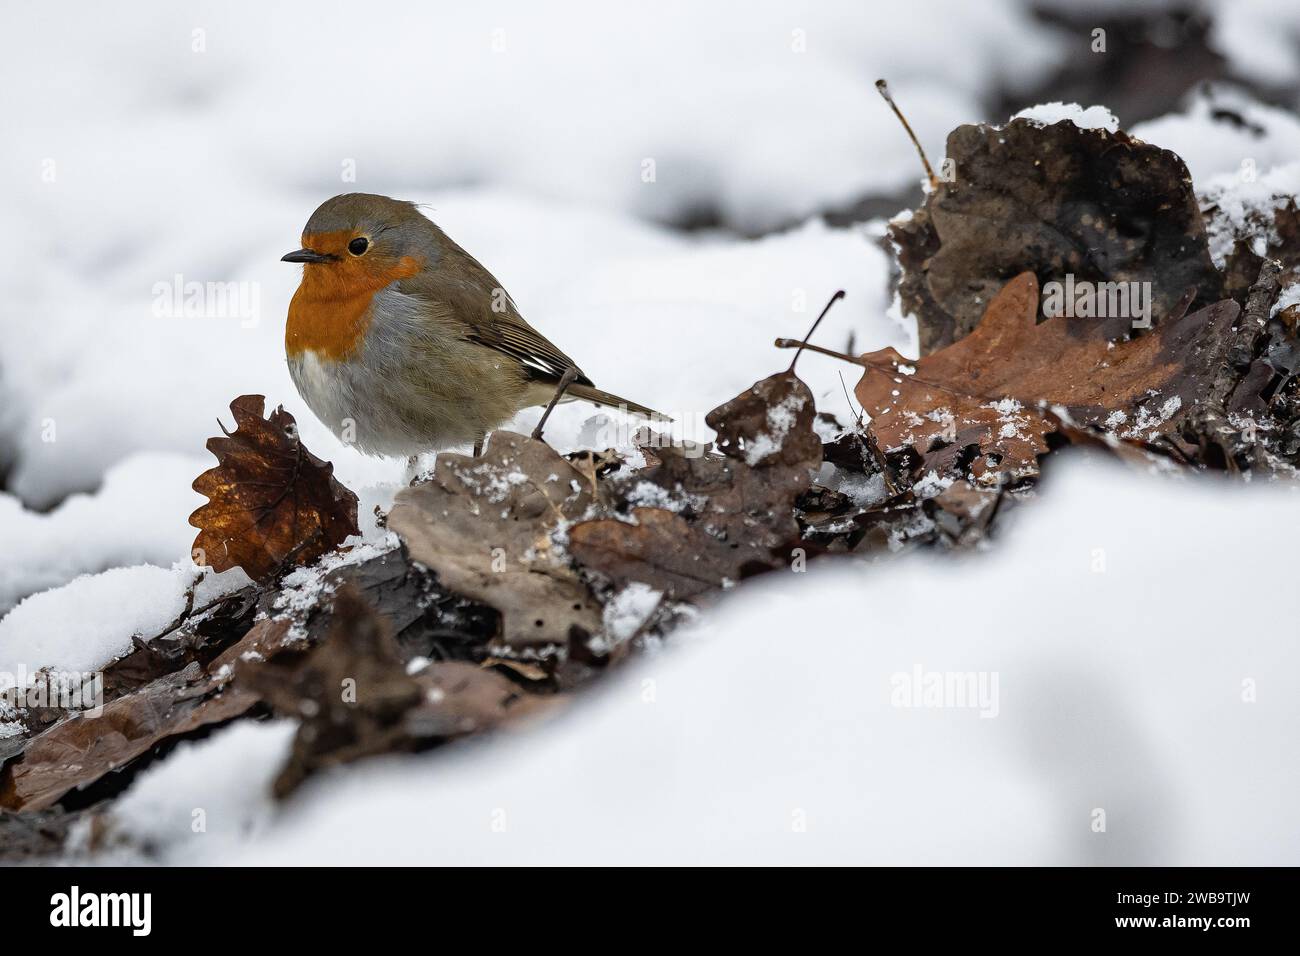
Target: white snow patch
[1092, 117]
[222, 782]
[90, 621]
[780, 419]
[626, 612]
[1290, 296]
[1245, 207]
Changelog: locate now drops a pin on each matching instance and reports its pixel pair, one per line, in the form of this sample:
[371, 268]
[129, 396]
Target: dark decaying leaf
[1263, 231]
[693, 524]
[38, 835]
[483, 526]
[350, 693]
[354, 698]
[428, 620]
[271, 502]
[460, 699]
[769, 424]
[993, 389]
[80, 750]
[1052, 200]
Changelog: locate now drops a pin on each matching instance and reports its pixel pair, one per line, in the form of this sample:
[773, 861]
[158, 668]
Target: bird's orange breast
[330, 312]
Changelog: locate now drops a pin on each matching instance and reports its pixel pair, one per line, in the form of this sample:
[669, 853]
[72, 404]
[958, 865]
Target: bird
[402, 343]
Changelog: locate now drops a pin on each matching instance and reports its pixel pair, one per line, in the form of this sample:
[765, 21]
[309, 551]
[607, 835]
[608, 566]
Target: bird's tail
[589, 393]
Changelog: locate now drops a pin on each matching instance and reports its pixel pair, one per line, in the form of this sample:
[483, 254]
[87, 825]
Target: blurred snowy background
[188, 142]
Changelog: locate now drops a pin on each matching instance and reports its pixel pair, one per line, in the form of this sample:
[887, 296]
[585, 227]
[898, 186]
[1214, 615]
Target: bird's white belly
[357, 406]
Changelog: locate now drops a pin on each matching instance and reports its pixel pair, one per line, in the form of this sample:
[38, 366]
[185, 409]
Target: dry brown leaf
[987, 390]
[661, 549]
[271, 502]
[354, 698]
[483, 526]
[460, 698]
[770, 423]
[730, 517]
[78, 751]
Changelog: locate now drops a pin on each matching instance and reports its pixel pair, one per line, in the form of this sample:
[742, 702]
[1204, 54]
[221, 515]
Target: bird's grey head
[381, 231]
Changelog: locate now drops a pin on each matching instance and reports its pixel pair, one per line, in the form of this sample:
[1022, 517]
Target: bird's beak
[306, 255]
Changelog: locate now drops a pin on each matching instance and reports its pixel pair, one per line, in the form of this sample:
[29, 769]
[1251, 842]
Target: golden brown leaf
[271, 502]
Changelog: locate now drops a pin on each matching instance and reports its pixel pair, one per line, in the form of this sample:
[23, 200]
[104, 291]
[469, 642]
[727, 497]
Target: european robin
[402, 342]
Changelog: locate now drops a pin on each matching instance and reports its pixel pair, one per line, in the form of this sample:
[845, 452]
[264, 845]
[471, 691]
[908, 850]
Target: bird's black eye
[359, 245]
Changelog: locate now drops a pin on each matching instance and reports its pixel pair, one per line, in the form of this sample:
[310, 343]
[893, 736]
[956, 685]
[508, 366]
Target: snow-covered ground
[190, 142]
[1143, 704]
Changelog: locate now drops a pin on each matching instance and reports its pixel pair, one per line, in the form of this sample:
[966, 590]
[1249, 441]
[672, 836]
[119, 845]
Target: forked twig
[833, 299]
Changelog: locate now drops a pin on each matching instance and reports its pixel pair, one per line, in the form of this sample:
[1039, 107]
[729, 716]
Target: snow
[207, 792]
[89, 621]
[1092, 117]
[1260, 38]
[628, 610]
[1245, 207]
[1288, 298]
[302, 589]
[138, 516]
[781, 417]
[1130, 678]
[1213, 147]
[931, 484]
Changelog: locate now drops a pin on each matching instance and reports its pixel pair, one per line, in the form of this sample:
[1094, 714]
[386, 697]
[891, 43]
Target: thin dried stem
[835, 298]
[883, 88]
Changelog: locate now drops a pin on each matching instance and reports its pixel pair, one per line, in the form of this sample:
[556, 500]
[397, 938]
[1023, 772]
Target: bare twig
[833, 299]
[796, 344]
[883, 89]
[857, 416]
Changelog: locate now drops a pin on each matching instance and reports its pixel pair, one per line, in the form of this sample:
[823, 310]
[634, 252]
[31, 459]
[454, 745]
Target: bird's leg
[412, 469]
[478, 447]
[566, 380]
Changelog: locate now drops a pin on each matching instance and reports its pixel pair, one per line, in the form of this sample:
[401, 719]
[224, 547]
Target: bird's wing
[515, 337]
[462, 286]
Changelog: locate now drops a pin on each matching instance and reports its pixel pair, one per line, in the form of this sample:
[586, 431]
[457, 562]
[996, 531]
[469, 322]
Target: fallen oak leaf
[271, 502]
[483, 526]
[994, 381]
[461, 698]
[988, 388]
[991, 389]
